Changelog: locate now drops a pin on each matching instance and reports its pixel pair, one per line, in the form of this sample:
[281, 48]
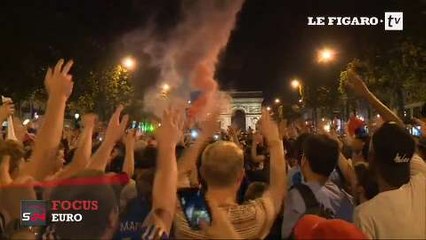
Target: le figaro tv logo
[393, 21]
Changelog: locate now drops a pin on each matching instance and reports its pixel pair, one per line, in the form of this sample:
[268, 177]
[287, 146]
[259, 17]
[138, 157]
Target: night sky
[270, 45]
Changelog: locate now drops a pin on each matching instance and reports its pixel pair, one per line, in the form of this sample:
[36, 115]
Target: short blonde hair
[221, 163]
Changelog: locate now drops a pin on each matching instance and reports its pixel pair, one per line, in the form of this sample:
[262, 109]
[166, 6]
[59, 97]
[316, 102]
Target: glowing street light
[189, 101]
[277, 100]
[129, 63]
[165, 87]
[295, 84]
[268, 108]
[76, 116]
[326, 55]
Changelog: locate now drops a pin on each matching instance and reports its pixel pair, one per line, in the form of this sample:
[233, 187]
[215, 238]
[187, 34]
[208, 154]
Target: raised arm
[129, 157]
[254, 157]
[342, 163]
[165, 180]
[356, 84]
[187, 162]
[6, 109]
[277, 176]
[189, 158]
[58, 83]
[282, 127]
[19, 128]
[5, 178]
[114, 132]
[83, 151]
[233, 133]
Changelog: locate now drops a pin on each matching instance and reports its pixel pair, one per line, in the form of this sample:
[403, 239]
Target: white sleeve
[363, 223]
[417, 165]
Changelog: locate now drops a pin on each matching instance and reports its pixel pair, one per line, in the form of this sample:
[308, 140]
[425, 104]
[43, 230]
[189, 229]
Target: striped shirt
[251, 220]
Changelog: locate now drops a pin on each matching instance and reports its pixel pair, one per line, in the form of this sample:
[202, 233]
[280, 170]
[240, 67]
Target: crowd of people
[281, 180]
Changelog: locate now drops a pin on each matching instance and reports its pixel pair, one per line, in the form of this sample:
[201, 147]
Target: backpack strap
[308, 196]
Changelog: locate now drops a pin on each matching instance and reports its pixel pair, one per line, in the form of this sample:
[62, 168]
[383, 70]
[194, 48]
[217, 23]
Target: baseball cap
[315, 227]
[393, 145]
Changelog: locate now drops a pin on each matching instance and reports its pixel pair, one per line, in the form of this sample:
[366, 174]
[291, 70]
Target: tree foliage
[396, 74]
[103, 91]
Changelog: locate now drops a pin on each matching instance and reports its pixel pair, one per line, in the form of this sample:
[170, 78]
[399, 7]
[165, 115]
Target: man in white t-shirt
[399, 210]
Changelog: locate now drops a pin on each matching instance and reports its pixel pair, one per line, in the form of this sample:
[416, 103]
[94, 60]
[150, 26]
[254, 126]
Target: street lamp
[129, 63]
[268, 108]
[277, 100]
[325, 55]
[165, 87]
[295, 83]
[76, 116]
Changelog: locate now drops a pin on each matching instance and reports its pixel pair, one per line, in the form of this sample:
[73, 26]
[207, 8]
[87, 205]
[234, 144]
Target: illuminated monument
[245, 110]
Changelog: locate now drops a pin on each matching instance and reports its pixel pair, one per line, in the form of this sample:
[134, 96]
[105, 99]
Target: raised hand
[129, 158]
[7, 109]
[277, 173]
[269, 128]
[210, 125]
[58, 81]
[20, 130]
[282, 127]
[257, 137]
[231, 131]
[171, 127]
[114, 132]
[356, 84]
[333, 135]
[89, 120]
[116, 128]
[165, 181]
[130, 139]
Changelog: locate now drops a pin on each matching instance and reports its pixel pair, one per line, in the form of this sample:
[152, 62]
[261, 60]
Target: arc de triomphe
[245, 110]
